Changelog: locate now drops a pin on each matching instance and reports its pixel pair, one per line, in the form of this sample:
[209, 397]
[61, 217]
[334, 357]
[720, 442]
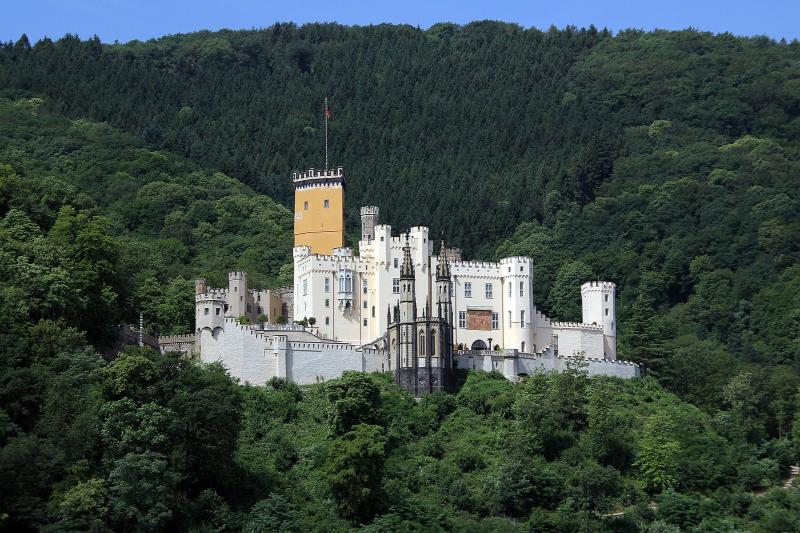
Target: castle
[396, 306]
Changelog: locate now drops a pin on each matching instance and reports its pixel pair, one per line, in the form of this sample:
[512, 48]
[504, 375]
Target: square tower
[319, 209]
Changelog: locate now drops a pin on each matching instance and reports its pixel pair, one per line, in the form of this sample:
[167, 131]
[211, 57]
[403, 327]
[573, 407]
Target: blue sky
[124, 20]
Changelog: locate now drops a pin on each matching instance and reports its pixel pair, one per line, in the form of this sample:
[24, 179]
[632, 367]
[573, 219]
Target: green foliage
[354, 399]
[565, 296]
[111, 228]
[659, 454]
[356, 471]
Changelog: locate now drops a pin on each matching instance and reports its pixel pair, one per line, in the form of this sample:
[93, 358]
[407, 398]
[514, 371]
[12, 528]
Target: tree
[355, 472]
[658, 453]
[275, 513]
[141, 492]
[564, 299]
[354, 399]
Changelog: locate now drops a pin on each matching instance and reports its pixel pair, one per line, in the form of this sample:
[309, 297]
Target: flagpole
[325, 112]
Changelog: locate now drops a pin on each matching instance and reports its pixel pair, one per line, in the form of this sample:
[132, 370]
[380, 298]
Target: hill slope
[468, 129]
[167, 220]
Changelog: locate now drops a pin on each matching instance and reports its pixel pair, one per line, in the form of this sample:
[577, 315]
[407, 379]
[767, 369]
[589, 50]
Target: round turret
[598, 302]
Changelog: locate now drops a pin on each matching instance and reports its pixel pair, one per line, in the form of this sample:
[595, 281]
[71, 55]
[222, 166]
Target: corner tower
[598, 300]
[319, 209]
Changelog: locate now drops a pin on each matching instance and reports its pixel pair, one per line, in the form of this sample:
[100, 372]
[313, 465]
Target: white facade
[349, 296]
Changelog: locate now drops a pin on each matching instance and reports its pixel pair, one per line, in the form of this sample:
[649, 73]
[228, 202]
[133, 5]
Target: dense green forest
[667, 162]
[451, 126]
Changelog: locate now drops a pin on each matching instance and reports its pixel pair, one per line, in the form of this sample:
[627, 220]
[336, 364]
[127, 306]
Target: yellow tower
[319, 209]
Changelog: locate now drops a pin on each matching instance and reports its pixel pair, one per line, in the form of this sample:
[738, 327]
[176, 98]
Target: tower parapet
[314, 176]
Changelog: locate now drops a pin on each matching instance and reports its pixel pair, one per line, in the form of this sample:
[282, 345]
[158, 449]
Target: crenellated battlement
[213, 295]
[177, 339]
[369, 210]
[316, 174]
[515, 259]
[237, 275]
[598, 286]
[576, 325]
[474, 264]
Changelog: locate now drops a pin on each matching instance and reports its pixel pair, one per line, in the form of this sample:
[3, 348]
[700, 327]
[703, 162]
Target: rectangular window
[327, 302]
[326, 204]
[606, 297]
[495, 321]
[206, 311]
[509, 319]
[522, 288]
[462, 319]
[522, 318]
[327, 284]
[467, 290]
[489, 290]
[396, 286]
[365, 304]
[606, 311]
[327, 320]
[395, 262]
[305, 206]
[364, 286]
[509, 288]
[305, 287]
[217, 311]
[365, 322]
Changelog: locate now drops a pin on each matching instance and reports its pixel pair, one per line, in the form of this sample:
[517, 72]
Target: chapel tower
[319, 209]
[444, 303]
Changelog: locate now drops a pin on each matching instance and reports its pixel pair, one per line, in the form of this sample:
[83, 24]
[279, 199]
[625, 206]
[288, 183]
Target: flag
[328, 112]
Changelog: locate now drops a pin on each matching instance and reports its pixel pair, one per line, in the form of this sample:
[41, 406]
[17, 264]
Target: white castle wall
[255, 357]
[578, 339]
[513, 364]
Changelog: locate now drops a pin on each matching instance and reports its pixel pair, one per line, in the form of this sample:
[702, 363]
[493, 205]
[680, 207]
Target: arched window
[421, 344]
[433, 343]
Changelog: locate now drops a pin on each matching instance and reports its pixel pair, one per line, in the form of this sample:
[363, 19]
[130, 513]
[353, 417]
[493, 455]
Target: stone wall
[513, 364]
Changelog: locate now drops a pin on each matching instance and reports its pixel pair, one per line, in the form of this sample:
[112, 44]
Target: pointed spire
[442, 268]
[407, 269]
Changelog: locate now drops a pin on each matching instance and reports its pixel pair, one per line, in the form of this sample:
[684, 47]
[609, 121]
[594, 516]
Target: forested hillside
[471, 129]
[154, 221]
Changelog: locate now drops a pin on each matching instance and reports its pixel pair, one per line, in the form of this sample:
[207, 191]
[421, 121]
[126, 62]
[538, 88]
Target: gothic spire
[442, 268]
[407, 269]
